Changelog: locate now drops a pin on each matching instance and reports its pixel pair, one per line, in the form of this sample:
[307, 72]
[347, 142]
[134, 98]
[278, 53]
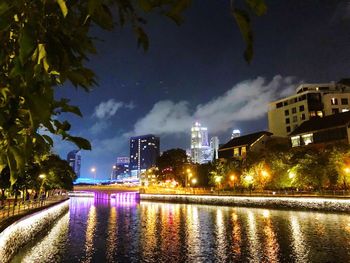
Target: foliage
[222, 171]
[171, 164]
[45, 43]
[304, 168]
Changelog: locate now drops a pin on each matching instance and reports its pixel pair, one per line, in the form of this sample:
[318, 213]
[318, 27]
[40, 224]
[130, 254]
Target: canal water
[126, 231]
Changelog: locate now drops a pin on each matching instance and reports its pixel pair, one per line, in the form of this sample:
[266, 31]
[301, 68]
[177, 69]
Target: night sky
[196, 71]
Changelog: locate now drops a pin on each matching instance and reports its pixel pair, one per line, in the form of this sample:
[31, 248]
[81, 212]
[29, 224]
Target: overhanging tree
[45, 43]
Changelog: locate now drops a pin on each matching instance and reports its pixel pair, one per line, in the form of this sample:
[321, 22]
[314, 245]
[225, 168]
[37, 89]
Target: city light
[264, 173]
[249, 178]
[232, 178]
[194, 181]
[291, 175]
[347, 170]
[42, 176]
[93, 169]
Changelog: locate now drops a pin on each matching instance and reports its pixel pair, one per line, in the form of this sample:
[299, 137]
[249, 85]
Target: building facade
[322, 131]
[214, 148]
[74, 160]
[121, 168]
[144, 151]
[200, 148]
[310, 100]
[239, 147]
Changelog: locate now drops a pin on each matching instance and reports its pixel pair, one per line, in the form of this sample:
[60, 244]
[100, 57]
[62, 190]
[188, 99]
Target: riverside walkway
[11, 211]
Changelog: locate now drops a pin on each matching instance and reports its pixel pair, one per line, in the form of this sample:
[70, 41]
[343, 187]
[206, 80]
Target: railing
[246, 192]
[9, 208]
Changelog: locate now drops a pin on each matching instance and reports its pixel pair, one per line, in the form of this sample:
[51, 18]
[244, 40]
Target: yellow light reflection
[271, 242]
[253, 237]
[236, 235]
[48, 248]
[221, 237]
[193, 231]
[90, 233]
[112, 234]
[298, 243]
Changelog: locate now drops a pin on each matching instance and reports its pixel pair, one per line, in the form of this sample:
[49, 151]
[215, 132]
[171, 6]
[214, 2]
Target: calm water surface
[102, 231]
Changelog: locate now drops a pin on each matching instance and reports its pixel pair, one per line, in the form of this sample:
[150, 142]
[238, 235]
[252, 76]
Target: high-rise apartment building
[74, 160]
[144, 151]
[200, 149]
[310, 100]
[214, 147]
[121, 168]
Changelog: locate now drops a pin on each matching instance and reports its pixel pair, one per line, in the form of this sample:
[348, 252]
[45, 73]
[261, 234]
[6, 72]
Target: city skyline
[164, 99]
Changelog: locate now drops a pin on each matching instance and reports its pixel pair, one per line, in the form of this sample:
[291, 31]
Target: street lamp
[264, 173]
[232, 178]
[93, 170]
[194, 181]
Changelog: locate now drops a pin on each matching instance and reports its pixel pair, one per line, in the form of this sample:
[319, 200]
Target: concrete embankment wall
[297, 203]
[27, 229]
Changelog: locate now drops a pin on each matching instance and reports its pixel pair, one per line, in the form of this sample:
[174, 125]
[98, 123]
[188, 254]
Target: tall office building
[144, 151]
[235, 133]
[310, 100]
[74, 160]
[200, 149]
[214, 148]
[121, 168]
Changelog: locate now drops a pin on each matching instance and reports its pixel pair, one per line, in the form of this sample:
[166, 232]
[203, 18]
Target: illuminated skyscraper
[74, 160]
[121, 168]
[235, 133]
[214, 148]
[199, 144]
[144, 151]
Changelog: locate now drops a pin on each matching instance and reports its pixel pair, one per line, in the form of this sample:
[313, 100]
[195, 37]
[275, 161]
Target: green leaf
[103, 17]
[93, 5]
[257, 6]
[48, 139]
[142, 38]
[243, 22]
[26, 44]
[63, 7]
[65, 107]
[80, 142]
[145, 5]
[3, 7]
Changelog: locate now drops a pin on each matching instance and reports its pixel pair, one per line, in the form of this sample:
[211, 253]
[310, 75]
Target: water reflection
[112, 243]
[48, 249]
[108, 231]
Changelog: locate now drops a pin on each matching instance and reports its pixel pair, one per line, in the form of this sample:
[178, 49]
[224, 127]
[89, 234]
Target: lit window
[308, 138]
[344, 110]
[236, 152]
[334, 101]
[295, 141]
[243, 151]
[319, 113]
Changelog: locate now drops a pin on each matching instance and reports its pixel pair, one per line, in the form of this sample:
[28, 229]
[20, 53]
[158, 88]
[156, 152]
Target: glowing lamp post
[232, 179]
[93, 170]
[194, 181]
